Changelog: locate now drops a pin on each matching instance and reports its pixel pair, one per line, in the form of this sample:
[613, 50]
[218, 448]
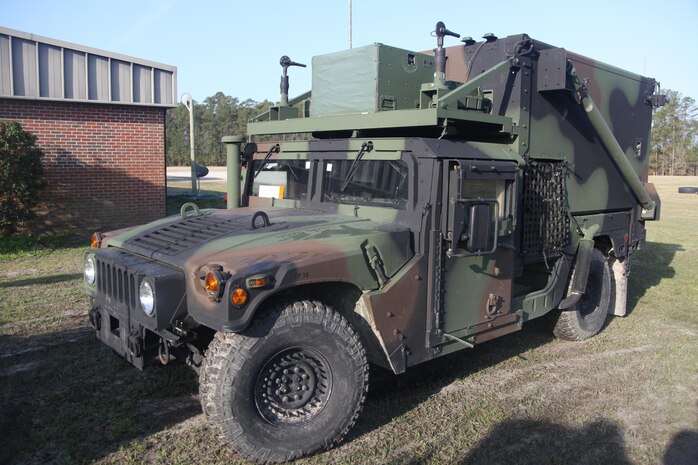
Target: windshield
[380, 183]
[280, 179]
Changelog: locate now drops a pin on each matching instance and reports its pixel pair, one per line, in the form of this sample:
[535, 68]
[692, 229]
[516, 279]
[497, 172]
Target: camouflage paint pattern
[416, 294]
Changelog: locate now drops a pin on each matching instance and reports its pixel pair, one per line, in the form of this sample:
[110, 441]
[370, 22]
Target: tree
[219, 115]
[674, 149]
[21, 175]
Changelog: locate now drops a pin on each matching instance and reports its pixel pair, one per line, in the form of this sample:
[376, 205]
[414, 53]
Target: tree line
[219, 115]
[674, 149]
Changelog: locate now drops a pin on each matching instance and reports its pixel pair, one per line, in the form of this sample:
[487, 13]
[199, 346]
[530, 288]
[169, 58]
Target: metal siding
[142, 84]
[98, 78]
[163, 87]
[38, 67]
[24, 70]
[120, 81]
[5, 69]
[75, 75]
[50, 71]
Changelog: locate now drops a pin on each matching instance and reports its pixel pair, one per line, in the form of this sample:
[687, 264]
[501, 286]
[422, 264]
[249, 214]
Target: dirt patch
[16, 274]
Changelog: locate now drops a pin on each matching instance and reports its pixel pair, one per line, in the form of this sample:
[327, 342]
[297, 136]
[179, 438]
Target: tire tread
[235, 348]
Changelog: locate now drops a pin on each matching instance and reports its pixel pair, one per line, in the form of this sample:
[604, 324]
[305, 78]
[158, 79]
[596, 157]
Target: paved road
[178, 173]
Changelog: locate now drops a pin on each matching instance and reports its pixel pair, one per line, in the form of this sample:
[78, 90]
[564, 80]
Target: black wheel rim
[293, 386]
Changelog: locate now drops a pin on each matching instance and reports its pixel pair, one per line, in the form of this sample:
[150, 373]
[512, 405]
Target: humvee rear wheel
[291, 384]
[586, 318]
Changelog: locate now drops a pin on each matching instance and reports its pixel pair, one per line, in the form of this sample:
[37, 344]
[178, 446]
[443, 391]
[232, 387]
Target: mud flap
[580, 274]
[620, 270]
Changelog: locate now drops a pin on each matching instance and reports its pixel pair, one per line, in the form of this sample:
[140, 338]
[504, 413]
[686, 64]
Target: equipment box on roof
[373, 87]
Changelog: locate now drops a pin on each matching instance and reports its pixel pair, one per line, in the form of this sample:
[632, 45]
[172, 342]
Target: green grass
[209, 196]
[625, 396]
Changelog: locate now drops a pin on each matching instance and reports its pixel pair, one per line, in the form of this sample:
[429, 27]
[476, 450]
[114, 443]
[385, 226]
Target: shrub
[21, 175]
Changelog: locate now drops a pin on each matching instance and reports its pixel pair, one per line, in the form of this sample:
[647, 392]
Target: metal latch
[376, 264]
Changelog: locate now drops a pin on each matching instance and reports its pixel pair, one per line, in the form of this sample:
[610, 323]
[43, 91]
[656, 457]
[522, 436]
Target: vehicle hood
[299, 236]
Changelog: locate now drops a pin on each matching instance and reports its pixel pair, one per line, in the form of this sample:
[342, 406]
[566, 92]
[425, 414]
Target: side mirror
[474, 227]
[479, 228]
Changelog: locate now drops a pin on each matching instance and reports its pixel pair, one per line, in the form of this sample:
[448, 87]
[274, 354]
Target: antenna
[285, 62]
[440, 32]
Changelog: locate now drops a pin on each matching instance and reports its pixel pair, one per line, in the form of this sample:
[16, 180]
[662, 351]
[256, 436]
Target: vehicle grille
[116, 282]
[183, 235]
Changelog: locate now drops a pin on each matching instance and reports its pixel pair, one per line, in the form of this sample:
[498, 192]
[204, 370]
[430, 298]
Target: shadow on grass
[391, 395]
[68, 399]
[531, 442]
[53, 279]
[683, 449]
[648, 268]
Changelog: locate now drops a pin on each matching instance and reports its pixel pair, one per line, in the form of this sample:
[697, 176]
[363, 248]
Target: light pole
[350, 25]
[189, 103]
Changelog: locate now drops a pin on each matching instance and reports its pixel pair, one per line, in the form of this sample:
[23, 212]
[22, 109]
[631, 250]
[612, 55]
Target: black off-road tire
[293, 383]
[586, 318]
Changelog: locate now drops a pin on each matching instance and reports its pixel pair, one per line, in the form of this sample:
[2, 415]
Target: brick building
[99, 118]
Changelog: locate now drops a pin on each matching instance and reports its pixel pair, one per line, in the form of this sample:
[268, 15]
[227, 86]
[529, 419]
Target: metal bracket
[265, 219]
[472, 85]
[459, 340]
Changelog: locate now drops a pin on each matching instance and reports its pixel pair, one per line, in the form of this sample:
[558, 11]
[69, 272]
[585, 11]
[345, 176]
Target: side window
[380, 183]
[480, 205]
[281, 179]
[486, 189]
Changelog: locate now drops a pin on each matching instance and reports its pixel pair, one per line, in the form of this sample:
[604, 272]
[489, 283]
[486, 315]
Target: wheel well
[342, 297]
[604, 244]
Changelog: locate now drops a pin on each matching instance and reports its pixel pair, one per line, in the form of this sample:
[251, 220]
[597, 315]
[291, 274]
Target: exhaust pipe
[232, 147]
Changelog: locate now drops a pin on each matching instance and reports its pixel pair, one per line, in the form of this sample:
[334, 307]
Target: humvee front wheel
[586, 318]
[294, 382]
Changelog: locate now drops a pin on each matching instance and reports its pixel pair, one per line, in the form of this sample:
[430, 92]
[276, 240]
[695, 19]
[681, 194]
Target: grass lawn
[626, 396]
[209, 196]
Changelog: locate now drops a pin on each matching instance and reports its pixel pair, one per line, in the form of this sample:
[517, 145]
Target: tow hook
[135, 343]
[95, 318]
[164, 351]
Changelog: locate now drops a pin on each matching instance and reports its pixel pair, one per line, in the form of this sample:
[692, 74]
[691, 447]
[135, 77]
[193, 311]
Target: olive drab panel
[478, 272]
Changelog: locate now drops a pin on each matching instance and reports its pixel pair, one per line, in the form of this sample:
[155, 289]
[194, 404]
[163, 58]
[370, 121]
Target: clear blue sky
[234, 46]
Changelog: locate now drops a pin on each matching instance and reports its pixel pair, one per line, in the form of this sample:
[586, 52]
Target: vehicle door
[479, 257]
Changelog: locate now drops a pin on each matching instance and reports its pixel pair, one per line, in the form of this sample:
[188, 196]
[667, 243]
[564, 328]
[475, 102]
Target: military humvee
[430, 205]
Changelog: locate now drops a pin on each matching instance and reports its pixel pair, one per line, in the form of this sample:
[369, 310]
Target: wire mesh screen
[546, 228]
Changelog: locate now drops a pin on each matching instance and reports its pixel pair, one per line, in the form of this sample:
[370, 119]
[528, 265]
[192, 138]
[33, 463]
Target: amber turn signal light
[96, 240]
[212, 282]
[238, 297]
[258, 280]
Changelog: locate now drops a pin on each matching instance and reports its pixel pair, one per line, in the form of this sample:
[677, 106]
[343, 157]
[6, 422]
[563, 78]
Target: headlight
[147, 297]
[90, 269]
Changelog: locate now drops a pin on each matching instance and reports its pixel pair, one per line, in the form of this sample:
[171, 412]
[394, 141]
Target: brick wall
[104, 164]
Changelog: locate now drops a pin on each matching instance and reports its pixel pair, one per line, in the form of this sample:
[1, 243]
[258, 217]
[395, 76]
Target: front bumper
[122, 335]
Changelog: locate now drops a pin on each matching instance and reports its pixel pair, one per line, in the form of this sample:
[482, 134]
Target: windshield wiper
[365, 147]
[274, 149]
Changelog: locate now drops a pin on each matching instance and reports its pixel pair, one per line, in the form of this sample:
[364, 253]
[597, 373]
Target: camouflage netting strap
[545, 217]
